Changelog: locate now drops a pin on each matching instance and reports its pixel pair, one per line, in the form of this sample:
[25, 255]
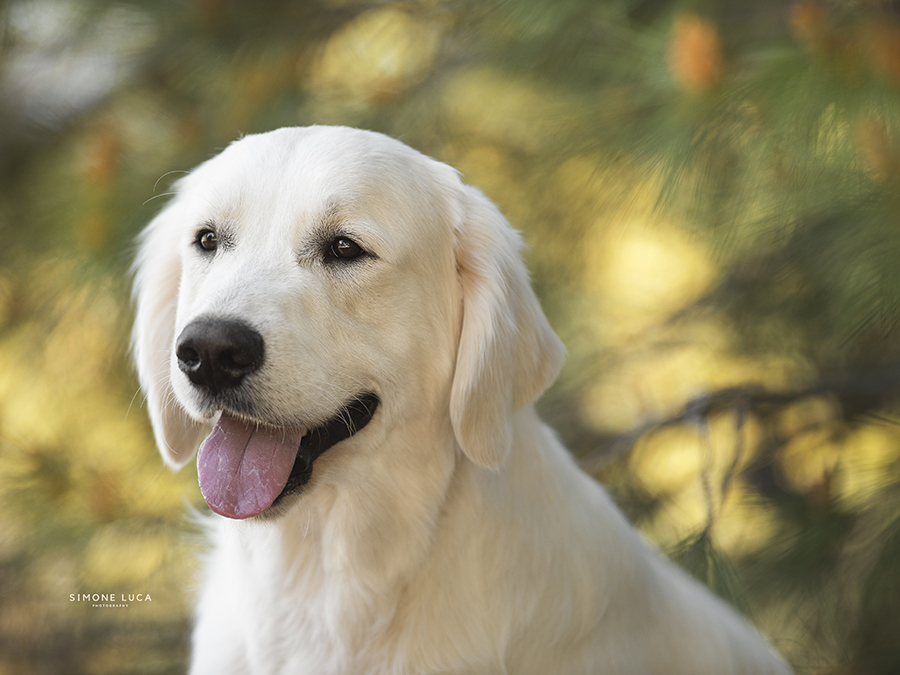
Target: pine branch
[858, 394]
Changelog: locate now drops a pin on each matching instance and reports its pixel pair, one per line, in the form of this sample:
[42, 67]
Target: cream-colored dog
[352, 332]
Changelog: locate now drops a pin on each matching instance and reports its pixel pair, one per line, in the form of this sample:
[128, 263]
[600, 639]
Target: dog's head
[305, 282]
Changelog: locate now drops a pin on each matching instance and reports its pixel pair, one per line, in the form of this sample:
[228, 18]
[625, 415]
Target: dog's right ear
[157, 276]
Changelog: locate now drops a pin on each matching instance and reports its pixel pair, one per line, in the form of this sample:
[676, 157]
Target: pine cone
[695, 54]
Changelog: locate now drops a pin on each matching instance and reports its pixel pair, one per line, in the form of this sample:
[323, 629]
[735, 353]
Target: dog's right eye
[207, 240]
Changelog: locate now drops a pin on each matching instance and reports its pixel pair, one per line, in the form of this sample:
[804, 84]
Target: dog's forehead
[316, 171]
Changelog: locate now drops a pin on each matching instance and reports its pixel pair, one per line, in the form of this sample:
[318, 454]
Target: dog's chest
[295, 616]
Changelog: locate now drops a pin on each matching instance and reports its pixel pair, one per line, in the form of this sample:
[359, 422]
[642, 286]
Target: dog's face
[323, 252]
[307, 285]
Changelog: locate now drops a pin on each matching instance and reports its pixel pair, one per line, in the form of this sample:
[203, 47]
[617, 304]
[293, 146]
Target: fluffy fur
[454, 533]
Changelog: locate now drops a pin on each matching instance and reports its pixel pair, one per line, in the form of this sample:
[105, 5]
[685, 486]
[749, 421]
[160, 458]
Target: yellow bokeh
[641, 272]
[498, 108]
[376, 57]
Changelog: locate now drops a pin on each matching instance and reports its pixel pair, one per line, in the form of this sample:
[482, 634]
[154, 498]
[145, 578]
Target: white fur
[454, 533]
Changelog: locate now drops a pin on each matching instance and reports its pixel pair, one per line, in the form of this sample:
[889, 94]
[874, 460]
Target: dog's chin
[346, 422]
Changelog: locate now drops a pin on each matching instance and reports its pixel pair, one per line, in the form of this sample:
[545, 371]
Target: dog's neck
[366, 566]
[349, 547]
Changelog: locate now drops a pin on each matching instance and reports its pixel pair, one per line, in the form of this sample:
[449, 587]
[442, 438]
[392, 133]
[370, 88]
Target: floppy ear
[157, 275]
[508, 354]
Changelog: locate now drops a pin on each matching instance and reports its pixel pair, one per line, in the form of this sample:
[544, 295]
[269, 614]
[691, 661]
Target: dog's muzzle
[245, 466]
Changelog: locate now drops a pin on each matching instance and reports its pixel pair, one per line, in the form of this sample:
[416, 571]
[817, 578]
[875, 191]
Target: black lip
[350, 420]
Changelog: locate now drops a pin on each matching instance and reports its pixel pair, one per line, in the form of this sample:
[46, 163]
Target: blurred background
[710, 195]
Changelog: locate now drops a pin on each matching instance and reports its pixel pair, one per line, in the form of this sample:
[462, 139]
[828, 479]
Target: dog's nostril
[217, 354]
[188, 358]
[237, 360]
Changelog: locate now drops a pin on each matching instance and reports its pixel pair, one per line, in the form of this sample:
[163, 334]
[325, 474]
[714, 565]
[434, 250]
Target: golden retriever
[352, 331]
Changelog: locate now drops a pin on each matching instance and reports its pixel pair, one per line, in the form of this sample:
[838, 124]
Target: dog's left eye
[344, 248]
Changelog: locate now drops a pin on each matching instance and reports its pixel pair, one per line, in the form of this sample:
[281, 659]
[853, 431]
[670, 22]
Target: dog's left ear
[157, 276]
[508, 354]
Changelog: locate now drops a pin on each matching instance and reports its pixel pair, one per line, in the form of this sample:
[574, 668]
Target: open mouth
[245, 467]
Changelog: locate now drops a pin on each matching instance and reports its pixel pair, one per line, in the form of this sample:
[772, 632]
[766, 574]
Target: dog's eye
[345, 249]
[207, 240]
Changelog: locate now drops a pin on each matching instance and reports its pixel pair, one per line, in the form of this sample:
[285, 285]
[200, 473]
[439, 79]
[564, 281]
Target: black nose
[218, 353]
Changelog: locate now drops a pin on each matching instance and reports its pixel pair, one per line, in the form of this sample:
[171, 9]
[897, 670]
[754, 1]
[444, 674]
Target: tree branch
[858, 394]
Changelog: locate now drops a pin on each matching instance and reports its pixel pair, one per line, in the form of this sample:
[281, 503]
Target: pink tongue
[243, 467]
